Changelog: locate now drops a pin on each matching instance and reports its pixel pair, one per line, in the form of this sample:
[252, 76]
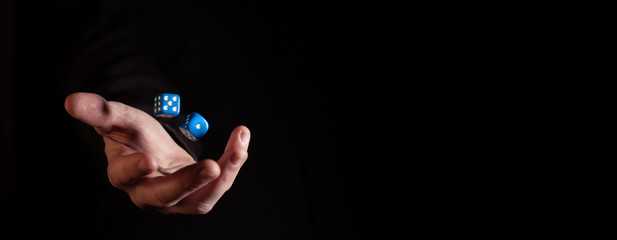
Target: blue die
[194, 126]
[167, 105]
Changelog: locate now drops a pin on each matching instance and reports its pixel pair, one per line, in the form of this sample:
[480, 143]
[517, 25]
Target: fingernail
[244, 137]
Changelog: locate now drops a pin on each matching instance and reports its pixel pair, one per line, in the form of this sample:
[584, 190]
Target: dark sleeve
[117, 58]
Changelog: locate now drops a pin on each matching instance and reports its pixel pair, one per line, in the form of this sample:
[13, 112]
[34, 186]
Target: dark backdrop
[301, 86]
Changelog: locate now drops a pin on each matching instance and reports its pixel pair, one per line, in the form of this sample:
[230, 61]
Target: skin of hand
[144, 161]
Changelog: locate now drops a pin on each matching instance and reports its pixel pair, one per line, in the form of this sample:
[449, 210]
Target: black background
[310, 175]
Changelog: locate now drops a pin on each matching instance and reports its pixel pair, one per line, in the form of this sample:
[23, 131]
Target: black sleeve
[117, 58]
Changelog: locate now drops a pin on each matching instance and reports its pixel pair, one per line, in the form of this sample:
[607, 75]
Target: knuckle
[240, 151]
[226, 182]
[113, 179]
[157, 202]
[242, 155]
[203, 208]
[141, 205]
[238, 157]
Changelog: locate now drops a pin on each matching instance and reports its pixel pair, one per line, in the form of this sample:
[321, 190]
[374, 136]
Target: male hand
[144, 161]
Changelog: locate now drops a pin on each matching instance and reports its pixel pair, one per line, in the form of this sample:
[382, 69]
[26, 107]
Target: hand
[144, 161]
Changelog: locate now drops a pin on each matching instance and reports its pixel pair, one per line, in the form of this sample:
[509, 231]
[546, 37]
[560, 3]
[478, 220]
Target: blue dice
[167, 105]
[194, 126]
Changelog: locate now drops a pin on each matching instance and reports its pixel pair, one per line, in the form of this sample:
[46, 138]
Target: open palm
[144, 161]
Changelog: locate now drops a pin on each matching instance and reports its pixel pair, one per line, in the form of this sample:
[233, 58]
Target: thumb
[90, 108]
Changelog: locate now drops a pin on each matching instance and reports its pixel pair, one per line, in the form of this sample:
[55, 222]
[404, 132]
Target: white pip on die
[194, 126]
[167, 105]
